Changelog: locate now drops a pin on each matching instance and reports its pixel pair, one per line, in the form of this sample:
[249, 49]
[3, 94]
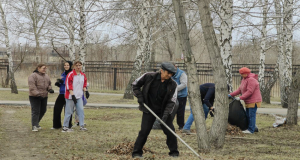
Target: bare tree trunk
[293, 100]
[225, 39]
[266, 92]
[219, 125]
[82, 34]
[193, 85]
[143, 47]
[71, 31]
[11, 76]
[147, 52]
[281, 56]
[288, 45]
[261, 74]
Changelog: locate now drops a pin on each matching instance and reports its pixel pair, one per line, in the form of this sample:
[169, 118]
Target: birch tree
[82, 33]
[226, 38]
[11, 76]
[288, 47]
[261, 74]
[143, 42]
[219, 125]
[35, 14]
[193, 91]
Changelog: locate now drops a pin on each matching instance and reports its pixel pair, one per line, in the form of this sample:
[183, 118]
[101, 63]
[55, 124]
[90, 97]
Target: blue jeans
[190, 120]
[69, 111]
[251, 115]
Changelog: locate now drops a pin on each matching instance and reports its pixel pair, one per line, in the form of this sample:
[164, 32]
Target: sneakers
[82, 128]
[137, 156]
[35, 128]
[256, 129]
[247, 132]
[39, 127]
[185, 131]
[65, 129]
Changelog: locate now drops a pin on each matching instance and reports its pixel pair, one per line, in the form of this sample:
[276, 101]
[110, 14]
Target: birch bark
[82, 34]
[219, 125]
[142, 49]
[11, 76]
[71, 29]
[261, 74]
[288, 46]
[281, 56]
[226, 38]
[193, 85]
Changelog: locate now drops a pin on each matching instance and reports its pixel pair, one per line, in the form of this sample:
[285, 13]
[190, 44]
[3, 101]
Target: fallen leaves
[125, 148]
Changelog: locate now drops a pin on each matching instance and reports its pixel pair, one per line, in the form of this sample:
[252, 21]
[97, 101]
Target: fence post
[115, 78]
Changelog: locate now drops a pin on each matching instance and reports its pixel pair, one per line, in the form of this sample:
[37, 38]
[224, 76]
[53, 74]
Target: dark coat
[144, 82]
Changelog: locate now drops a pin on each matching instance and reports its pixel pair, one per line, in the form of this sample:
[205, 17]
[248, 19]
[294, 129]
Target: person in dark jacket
[61, 101]
[39, 85]
[207, 92]
[158, 91]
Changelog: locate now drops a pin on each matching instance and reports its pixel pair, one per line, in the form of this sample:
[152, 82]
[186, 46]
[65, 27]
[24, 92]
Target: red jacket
[249, 89]
[76, 83]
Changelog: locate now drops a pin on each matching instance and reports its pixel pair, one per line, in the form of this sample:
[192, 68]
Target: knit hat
[244, 70]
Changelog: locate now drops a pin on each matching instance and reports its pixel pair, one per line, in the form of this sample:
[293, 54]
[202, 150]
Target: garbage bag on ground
[279, 121]
[237, 115]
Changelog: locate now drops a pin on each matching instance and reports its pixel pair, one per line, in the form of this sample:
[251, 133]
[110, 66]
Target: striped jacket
[76, 83]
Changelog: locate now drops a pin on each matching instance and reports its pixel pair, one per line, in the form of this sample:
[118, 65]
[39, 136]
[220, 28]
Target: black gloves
[51, 91]
[74, 99]
[211, 112]
[57, 84]
[164, 118]
[87, 94]
[141, 101]
[60, 81]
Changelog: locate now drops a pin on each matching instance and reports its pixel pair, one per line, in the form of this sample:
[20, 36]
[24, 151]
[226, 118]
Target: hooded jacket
[249, 89]
[144, 82]
[39, 84]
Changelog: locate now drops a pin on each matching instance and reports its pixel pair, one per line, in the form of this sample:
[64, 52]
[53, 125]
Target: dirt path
[17, 140]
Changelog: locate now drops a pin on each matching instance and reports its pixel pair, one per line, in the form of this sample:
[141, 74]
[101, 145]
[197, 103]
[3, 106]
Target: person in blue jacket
[60, 101]
[207, 91]
[181, 79]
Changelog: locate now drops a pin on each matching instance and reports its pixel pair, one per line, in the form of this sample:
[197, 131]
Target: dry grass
[106, 99]
[109, 127]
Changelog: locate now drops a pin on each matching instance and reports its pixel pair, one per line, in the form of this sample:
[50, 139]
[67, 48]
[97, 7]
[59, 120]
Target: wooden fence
[114, 75]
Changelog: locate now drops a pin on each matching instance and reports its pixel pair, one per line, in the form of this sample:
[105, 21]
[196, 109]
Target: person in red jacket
[251, 95]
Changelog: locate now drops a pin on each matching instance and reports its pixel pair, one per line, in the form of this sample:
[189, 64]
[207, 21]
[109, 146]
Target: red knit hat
[244, 70]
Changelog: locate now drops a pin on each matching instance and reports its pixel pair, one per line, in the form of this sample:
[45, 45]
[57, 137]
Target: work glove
[229, 96]
[141, 101]
[74, 99]
[57, 84]
[40, 97]
[237, 98]
[60, 81]
[165, 118]
[87, 94]
[51, 91]
[211, 111]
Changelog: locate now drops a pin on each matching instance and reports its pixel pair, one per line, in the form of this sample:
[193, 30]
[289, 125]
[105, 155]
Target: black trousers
[58, 106]
[181, 111]
[146, 126]
[38, 109]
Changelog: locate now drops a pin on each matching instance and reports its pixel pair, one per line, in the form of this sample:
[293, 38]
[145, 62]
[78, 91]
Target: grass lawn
[106, 99]
[109, 127]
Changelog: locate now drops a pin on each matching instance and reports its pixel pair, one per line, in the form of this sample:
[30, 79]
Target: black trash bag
[157, 124]
[237, 115]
